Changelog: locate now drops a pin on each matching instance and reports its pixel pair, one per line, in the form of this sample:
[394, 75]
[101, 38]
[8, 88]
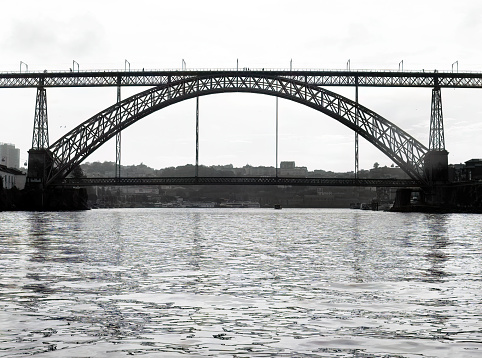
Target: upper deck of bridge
[361, 78]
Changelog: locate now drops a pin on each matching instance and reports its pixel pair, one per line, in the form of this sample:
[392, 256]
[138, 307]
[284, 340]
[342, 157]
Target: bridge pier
[435, 195]
[37, 196]
[436, 170]
[436, 166]
[39, 157]
[436, 160]
[39, 163]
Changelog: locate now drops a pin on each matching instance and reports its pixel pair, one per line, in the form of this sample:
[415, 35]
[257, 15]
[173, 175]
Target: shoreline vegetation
[460, 198]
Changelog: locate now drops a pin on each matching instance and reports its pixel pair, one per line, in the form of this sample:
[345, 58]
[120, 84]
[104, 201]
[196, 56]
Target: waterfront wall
[448, 198]
[46, 200]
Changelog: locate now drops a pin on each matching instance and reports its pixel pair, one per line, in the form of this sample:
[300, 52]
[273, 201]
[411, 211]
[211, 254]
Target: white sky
[240, 128]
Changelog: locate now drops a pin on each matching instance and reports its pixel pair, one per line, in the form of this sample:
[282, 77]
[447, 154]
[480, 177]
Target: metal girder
[76, 145]
[88, 79]
[314, 77]
[373, 79]
[240, 181]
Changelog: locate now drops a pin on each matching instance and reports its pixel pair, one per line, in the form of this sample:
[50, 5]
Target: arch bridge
[50, 164]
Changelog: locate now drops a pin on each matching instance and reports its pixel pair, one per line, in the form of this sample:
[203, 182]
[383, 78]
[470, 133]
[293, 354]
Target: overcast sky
[239, 129]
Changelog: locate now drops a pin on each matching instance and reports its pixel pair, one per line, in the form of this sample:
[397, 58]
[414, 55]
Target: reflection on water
[239, 283]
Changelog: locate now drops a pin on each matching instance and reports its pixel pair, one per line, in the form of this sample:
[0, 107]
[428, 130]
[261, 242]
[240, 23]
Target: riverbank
[451, 198]
[47, 200]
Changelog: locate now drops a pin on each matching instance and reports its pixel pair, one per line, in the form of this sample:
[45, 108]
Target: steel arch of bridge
[70, 150]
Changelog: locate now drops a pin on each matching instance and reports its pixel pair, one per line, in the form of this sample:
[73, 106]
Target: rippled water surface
[240, 283]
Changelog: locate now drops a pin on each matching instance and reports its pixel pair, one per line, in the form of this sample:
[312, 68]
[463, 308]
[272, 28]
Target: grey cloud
[80, 35]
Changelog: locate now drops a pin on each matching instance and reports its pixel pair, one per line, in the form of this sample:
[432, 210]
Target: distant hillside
[107, 169]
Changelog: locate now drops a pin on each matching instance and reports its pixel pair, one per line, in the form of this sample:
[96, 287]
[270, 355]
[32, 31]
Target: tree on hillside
[78, 173]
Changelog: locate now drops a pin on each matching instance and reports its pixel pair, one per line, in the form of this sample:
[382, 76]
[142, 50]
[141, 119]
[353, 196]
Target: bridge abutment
[38, 196]
[435, 195]
[39, 163]
[436, 169]
[436, 166]
[436, 162]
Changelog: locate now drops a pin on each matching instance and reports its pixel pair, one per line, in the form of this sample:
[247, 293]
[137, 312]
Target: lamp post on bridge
[456, 62]
[400, 67]
[125, 65]
[73, 66]
[23, 63]
[348, 65]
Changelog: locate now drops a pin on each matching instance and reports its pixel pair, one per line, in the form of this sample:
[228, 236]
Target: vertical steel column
[40, 138]
[276, 136]
[437, 137]
[356, 133]
[118, 135]
[197, 138]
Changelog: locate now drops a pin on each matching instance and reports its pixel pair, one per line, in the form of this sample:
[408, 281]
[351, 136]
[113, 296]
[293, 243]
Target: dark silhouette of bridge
[291, 181]
[50, 164]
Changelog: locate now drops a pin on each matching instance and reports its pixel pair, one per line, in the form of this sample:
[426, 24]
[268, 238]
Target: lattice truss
[86, 79]
[40, 137]
[76, 145]
[437, 136]
[319, 78]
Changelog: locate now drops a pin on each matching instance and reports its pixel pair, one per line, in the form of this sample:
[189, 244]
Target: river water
[240, 283]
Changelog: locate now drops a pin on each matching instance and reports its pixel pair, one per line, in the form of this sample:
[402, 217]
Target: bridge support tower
[436, 159]
[39, 157]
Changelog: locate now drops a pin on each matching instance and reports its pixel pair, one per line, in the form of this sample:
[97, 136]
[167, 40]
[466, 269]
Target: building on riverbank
[12, 177]
[9, 156]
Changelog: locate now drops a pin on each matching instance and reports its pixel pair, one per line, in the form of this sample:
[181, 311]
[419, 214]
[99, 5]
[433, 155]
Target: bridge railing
[220, 69]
